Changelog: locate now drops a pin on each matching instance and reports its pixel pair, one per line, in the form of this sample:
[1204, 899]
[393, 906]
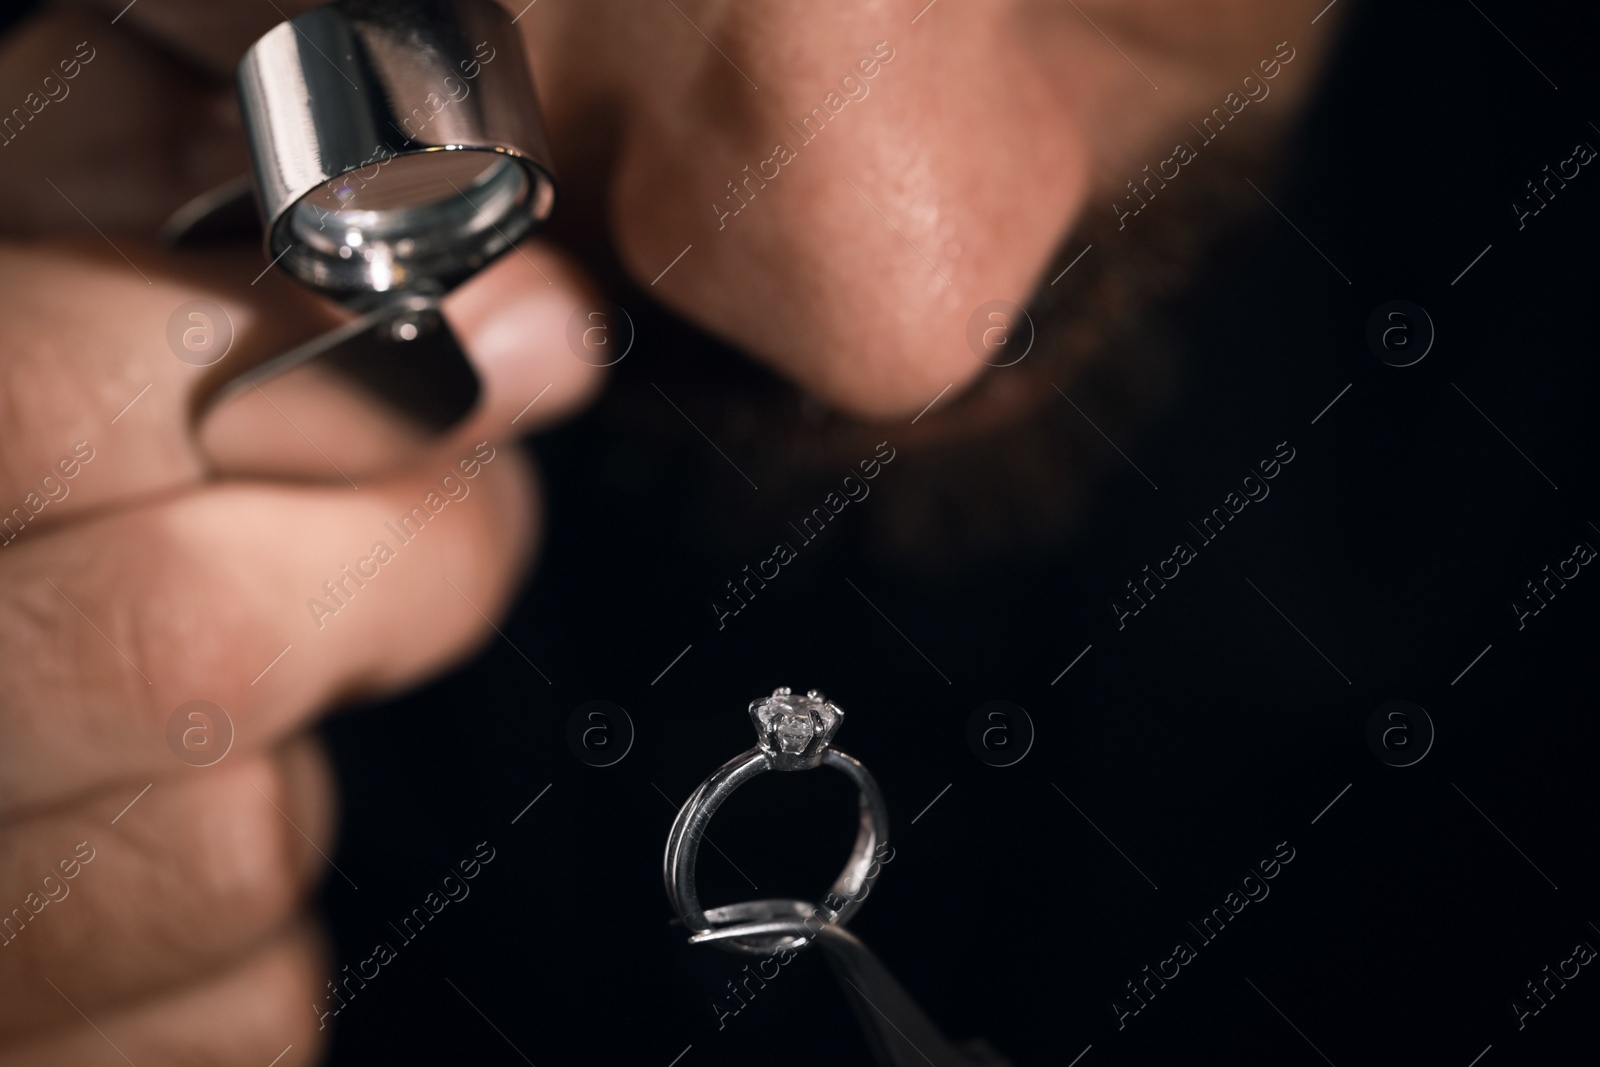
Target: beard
[1006, 466]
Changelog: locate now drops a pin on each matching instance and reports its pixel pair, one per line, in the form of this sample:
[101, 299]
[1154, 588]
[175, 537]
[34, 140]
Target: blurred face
[834, 187]
[853, 179]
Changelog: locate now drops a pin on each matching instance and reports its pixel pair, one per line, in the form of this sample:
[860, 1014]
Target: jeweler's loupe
[397, 149]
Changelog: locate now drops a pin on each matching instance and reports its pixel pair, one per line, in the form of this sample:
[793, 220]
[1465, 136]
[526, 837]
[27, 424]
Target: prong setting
[794, 731]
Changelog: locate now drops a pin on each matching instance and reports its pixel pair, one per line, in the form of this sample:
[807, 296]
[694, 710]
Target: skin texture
[179, 563]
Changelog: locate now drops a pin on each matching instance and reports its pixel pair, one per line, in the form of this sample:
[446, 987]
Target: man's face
[835, 186]
[852, 180]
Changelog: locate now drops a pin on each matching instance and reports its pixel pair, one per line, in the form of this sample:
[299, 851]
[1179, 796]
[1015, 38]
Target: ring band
[794, 733]
[397, 147]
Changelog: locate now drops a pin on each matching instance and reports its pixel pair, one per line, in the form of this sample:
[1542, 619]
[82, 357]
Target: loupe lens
[397, 145]
[401, 222]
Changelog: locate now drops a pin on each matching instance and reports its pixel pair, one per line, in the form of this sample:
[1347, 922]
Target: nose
[841, 204]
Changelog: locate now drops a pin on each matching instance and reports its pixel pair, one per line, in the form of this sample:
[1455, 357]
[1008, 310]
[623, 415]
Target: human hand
[154, 877]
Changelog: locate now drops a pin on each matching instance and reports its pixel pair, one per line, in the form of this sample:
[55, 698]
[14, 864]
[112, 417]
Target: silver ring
[794, 733]
[398, 148]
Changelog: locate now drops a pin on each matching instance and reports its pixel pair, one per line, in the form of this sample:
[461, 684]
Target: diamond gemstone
[793, 729]
[789, 723]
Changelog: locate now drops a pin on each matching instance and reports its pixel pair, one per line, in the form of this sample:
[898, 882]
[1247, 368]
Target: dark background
[1197, 739]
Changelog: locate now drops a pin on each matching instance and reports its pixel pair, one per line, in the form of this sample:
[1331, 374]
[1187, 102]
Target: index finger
[97, 401]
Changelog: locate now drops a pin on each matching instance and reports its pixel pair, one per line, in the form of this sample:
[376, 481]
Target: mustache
[994, 469]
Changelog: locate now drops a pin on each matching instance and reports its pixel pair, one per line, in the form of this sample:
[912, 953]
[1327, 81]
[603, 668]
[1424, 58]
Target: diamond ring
[794, 733]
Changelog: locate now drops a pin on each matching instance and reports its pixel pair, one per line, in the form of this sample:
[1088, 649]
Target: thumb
[515, 321]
